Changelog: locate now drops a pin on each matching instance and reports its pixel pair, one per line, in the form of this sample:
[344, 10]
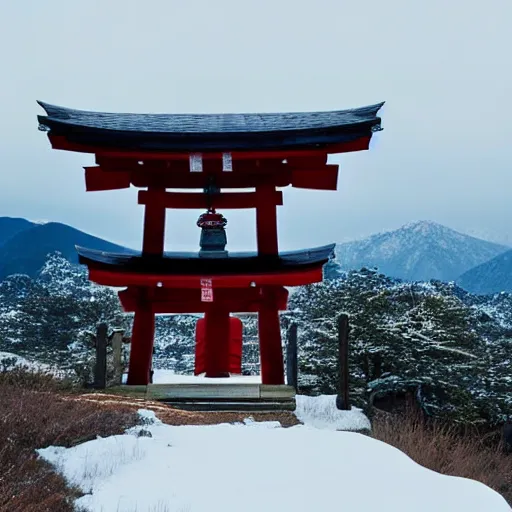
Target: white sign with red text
[206, 290]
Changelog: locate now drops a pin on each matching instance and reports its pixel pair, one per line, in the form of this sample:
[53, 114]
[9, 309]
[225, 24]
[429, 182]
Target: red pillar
[199, 360]
[271, 352]
[216, 342]
[154, 224]
[143, 331]
[266, 220]
[236, 330]
[141, 352]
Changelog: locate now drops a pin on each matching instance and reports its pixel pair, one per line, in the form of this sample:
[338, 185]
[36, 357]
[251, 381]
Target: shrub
[448, 450]
[37, 417]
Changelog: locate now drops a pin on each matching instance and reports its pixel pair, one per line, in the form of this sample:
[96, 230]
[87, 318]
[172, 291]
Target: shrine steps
[240, 397]
[244, 407]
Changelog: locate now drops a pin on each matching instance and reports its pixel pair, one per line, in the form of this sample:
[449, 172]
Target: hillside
[418, 252]
[11, 226]
[492, 276]
[25, 251]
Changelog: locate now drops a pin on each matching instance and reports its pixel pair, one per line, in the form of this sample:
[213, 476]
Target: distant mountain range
[24, 245]
[11, 226]
[491, 276]
[422, 251]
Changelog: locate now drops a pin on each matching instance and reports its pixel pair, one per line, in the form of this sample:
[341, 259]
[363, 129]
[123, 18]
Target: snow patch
[22, 362]
[170, 377]
[321, 412]
[148, 417]
[233, 467]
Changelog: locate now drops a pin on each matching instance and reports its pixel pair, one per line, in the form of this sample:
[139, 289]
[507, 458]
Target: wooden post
[100, 369]
[291, 357]
[117, 344]
[507, 436]
[342, 399]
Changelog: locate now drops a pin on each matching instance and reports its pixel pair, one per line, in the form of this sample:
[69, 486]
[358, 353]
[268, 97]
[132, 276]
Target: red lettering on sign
[206, 290]
[206, 295]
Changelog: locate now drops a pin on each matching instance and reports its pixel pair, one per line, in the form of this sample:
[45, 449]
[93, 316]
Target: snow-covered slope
[255, 467]
[418, 252]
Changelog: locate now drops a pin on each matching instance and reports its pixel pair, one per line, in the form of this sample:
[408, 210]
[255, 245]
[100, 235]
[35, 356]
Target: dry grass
[37, 410]
[446, 450]
[35, 413]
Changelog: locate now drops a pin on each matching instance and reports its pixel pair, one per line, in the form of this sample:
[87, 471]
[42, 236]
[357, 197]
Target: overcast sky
[442, 66]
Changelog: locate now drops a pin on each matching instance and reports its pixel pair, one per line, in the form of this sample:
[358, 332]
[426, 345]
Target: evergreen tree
[404, 337]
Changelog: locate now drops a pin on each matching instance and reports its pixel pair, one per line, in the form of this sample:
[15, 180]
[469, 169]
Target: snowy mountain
[492, 276]
[418, 252]
[11, 226]
[24, 245]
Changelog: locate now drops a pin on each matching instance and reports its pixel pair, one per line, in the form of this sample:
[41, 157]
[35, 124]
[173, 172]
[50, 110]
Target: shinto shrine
[213, 153]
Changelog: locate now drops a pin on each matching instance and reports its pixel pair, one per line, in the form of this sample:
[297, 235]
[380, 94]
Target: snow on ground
[21, 361]
[32, 364]
[321, 412]
[258, 466]
[169, 377]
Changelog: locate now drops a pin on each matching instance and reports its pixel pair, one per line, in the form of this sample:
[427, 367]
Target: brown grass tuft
[38, 417]
[446, 450]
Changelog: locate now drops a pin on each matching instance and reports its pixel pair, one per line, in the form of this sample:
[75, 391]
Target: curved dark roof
[188, 132]
[190, 263]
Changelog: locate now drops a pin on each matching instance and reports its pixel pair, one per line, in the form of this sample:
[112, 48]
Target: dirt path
[173, 416]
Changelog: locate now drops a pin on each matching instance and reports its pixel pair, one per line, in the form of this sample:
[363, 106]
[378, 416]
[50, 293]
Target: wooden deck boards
[215, 397]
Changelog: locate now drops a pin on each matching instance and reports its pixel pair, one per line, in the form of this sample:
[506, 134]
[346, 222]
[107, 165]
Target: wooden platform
[216, 397]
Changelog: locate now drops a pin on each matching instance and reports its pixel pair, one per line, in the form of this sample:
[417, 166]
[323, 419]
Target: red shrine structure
[213, 153]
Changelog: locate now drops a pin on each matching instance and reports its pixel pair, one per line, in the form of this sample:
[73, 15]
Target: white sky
[442, 66]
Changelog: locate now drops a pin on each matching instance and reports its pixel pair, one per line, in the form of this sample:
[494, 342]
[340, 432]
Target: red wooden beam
[173, 300]
[325, 178]
[96, 180]
[306, 172]
[176, 295]
[210, 165]
[200, 180]
[232, 200]
[99, 179]
[307, 162]
[122, 279]
[60, 142]
[199, 307]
